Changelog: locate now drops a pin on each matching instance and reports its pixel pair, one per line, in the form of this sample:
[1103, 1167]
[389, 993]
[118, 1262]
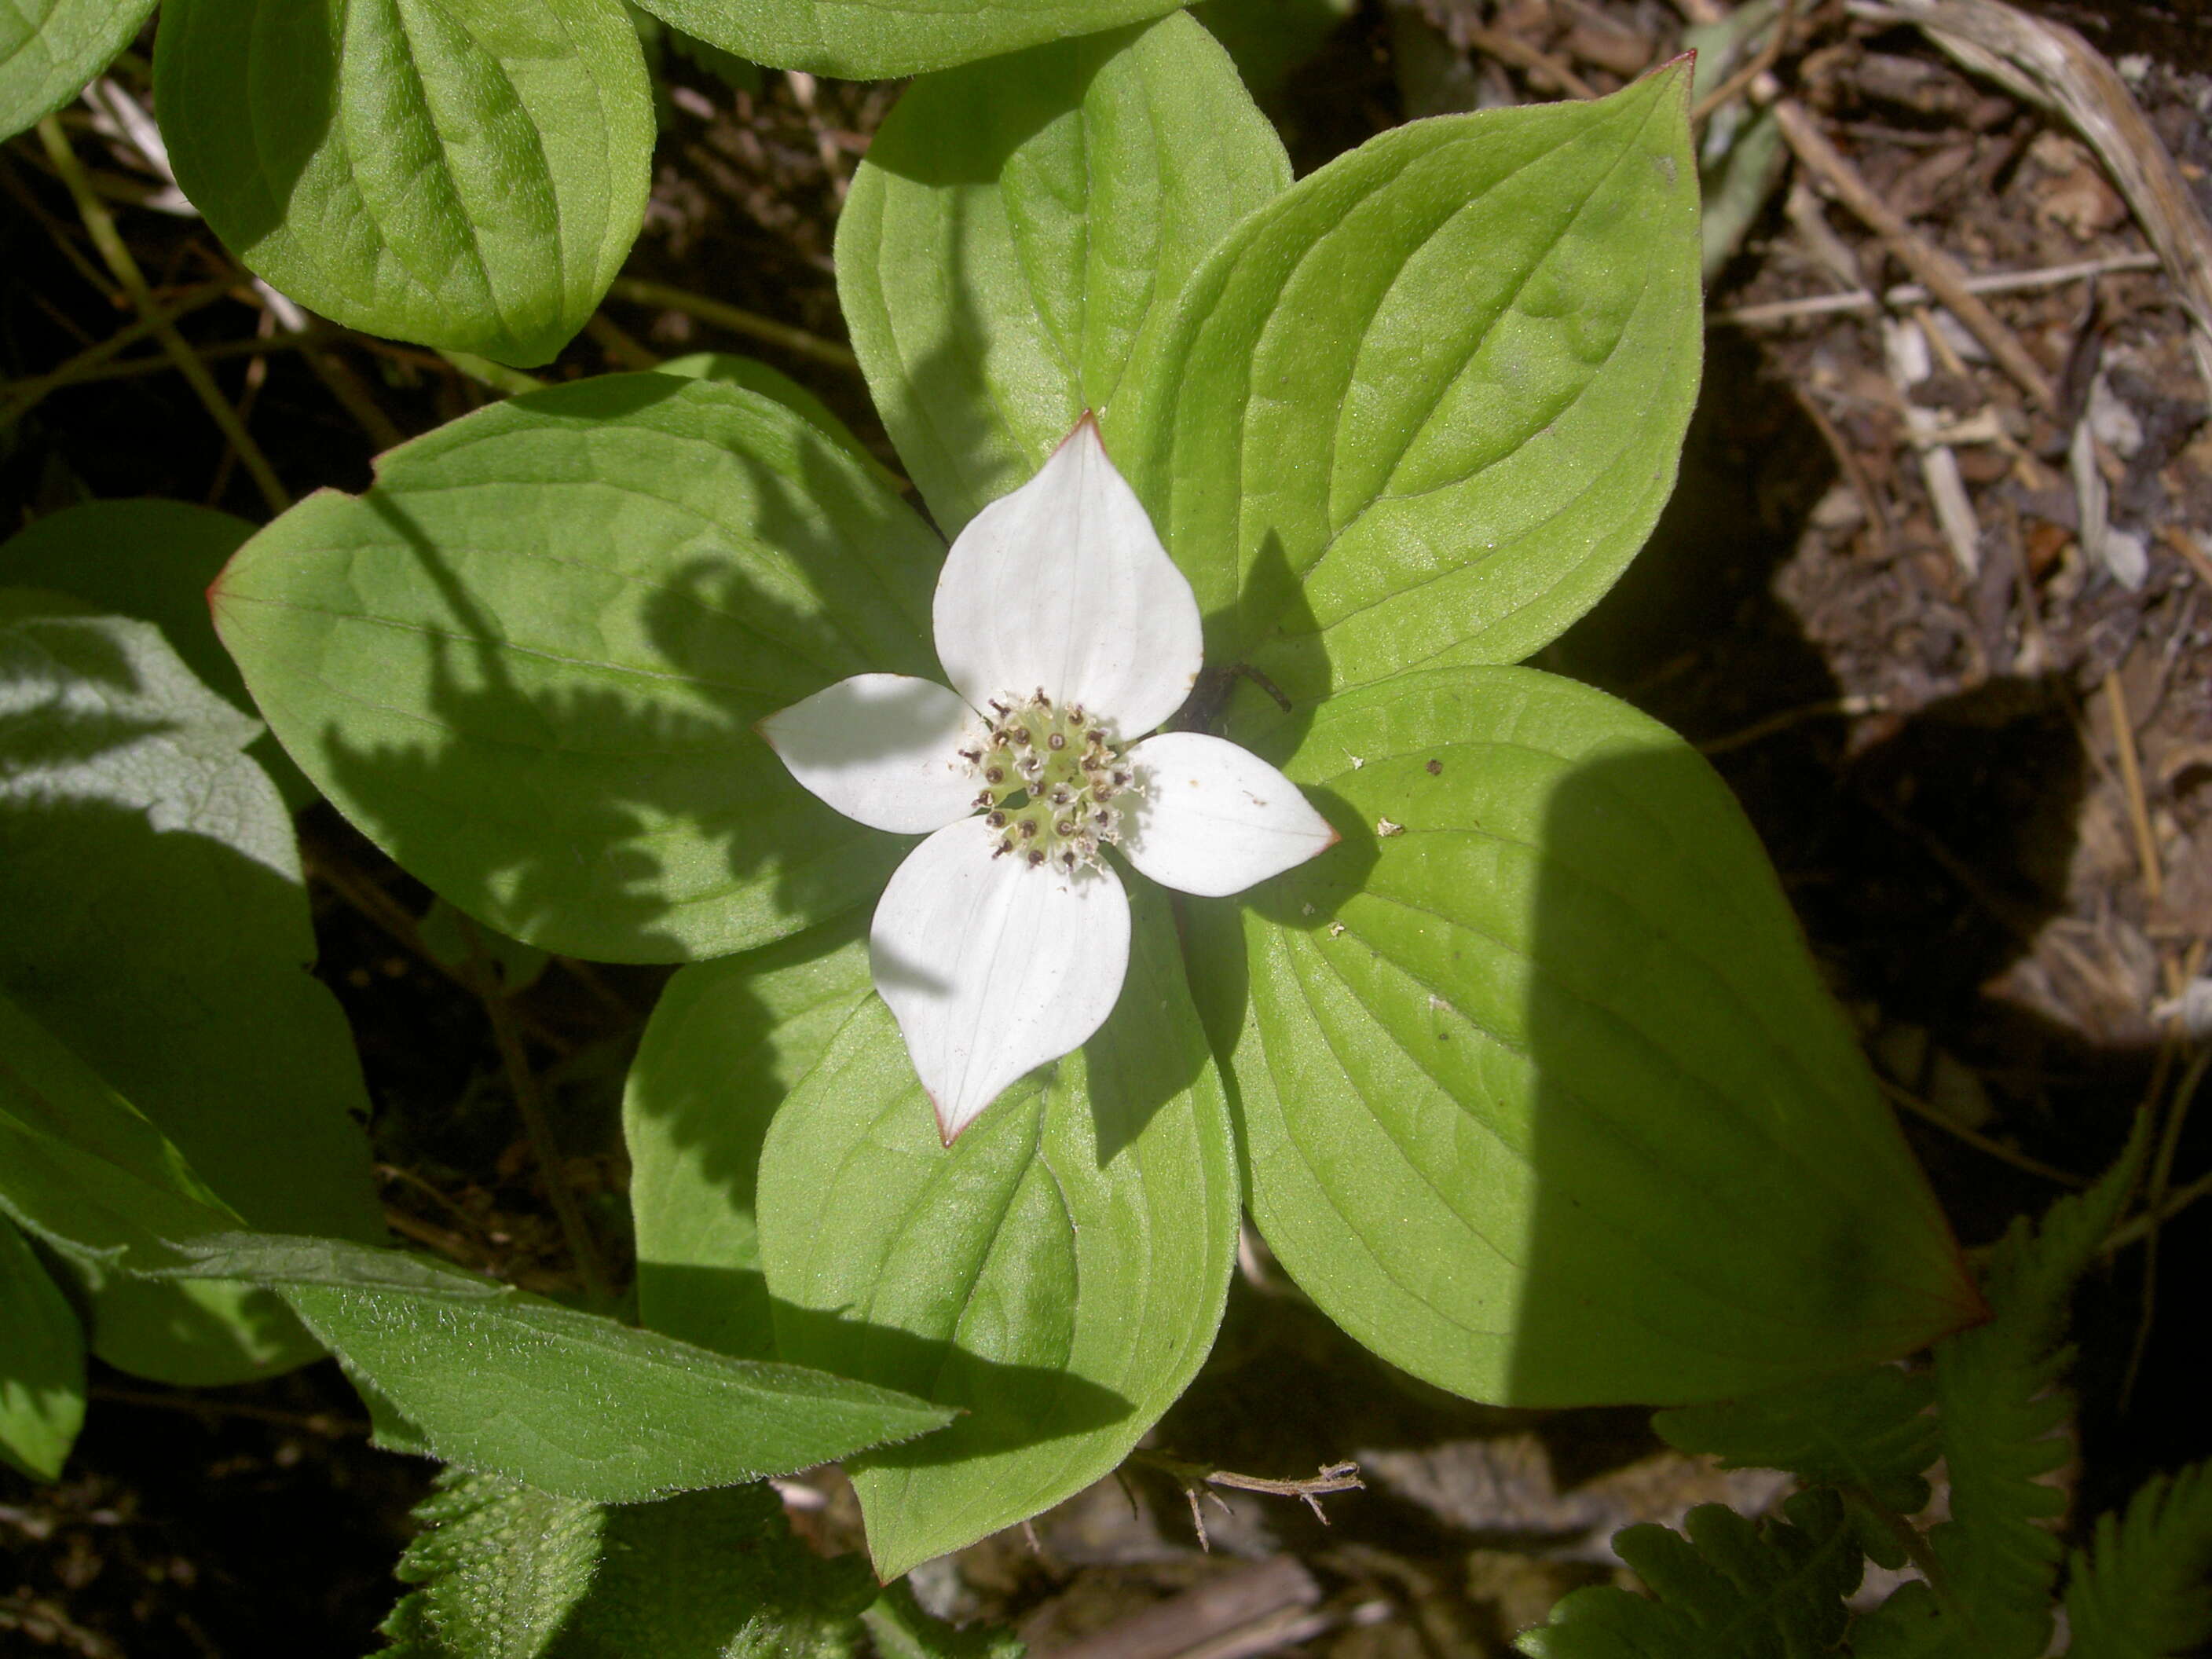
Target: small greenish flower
[1068, 634]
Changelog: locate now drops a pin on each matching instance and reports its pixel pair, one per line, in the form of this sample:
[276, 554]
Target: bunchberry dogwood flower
[1001, 941]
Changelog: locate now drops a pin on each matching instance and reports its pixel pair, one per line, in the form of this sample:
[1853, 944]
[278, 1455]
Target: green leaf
[754, 375]
[1732, 1590]
[467, 173]
[509, 1572]
[41, 1363]
[1543, 1099]
[1059, 1271]
[1269, 39]
[1422, 407]
[159, 928]
[1019, 225]
[49, 48]
[153, 559]
[868, 41]
[727, 1042]
[900, 1630]
[2144, 1589]
[528, 662]
[2004, 1414]
[1871, 1428]
[499, 1381]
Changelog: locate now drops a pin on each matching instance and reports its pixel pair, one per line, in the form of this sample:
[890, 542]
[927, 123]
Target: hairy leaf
[508, 1572]
[529, 661]
[1732, 1590]
[2143, 1590]
[1020, 224]
[499, 1381]
[1423, 406]
[159, 927]
[868, 40]
[1058, 1271]
[900, 1630]
[467, 173]
[41, 1363]
[1543, 1098]
[49, 48]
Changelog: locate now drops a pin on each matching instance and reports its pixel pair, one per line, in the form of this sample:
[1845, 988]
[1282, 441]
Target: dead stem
[1199, 1482]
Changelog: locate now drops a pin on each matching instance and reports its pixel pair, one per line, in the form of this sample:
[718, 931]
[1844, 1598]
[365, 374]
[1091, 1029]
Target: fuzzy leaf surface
[505, 1571]
[1543, 1098]
[159, 928]
[41, 1363]
[49, 48]
[2144, 1589]
[465, 174]
[1059, 1271]
[528, 662]
[1423, 406]
[869, 41]
[496, 1380]
[1020, 224]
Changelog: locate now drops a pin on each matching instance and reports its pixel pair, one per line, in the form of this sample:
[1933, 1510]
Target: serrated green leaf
[151, 559]
[1543, 1099]
[49, 48]
[159, 927]
[467, 173]
[1423, 407]
[1871, 1428]
[2003, 1413]
[2144, 1589]
[1732, 1590]
[505, 1383]
[41, 1363]
[1058, 1271]
[509, 1572]
[528, 662]
[727, 1040]
[1019, 225]
[868, 41]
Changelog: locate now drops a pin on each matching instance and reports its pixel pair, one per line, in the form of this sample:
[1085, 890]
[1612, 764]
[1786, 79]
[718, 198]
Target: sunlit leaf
[49, 48]
[868, 41]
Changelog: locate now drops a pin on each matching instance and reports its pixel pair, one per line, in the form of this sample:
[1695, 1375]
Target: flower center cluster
[1050, 778]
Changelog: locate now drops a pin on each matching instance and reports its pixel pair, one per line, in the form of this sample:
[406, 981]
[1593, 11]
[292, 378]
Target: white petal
[881, 748]
[993, 968]
[1063, 587]
[1213, 818]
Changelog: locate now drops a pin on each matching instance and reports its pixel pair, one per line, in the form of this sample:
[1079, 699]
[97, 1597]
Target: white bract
[1067, 633]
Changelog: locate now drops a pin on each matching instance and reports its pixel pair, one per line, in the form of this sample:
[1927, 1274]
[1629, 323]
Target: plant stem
[100, 224]
[796, 341]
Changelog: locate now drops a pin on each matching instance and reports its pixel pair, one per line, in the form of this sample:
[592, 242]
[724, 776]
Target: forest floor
[1935, 598]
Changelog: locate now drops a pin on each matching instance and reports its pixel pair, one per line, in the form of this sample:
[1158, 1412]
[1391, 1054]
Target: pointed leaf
[1020, 223]
[865, 40]
[2145, 1591]
[528, 662]
[498, 1380]
[1543, 1097]
[49, 48]
[727, 1040]
[1059, 1271]
[467, 173]
[41, 1363]
[159, 928]
[1423, 406]
[509, 1572]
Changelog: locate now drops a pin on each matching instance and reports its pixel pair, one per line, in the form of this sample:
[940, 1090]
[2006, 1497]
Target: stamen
[1057, 740]
[1037, 858]
[997, 820]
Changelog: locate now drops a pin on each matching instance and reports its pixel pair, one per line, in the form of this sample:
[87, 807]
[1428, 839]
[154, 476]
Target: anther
[1096, 734]
[1003, 848]
[1057, 740]
[983, 798]
[1036, 858]
[1103, 820]
[994, 774]
[1042, 701]
[1029, 829]
[1000, 707]
[1065, 827]
[1018, 735]
[997, 820]
[973, 756]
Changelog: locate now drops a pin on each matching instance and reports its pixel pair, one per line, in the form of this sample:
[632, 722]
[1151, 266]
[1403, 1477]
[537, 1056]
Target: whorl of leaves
[2144, 1588]
[505, 1571]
